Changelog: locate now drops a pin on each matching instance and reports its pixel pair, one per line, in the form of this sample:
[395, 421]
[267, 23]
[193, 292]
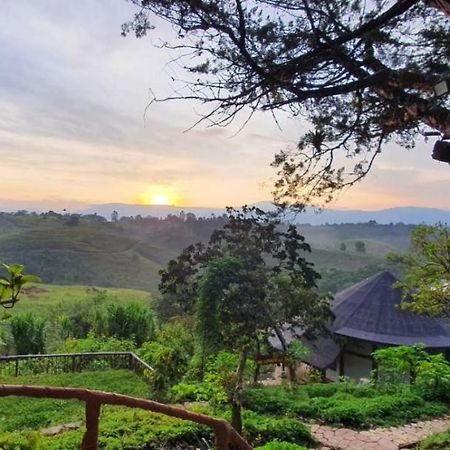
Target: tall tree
[249, 280]
[361, 72]
[426, 283]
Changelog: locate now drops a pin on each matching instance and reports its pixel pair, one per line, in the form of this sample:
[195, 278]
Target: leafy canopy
[250, 278]
[426, 284]
[361, 72]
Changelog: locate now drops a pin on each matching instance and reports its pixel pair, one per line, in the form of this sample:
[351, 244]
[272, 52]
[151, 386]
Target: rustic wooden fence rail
[226, 438]
[72, 362]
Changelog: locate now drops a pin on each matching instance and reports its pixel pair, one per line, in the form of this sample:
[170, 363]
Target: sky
[75, 131]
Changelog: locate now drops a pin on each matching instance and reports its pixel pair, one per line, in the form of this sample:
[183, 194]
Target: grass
[439, 441]
[52, 300]
[120, 427]
[34, 414]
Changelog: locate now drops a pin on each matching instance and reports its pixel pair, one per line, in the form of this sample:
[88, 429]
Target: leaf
[14, 269]
[30, 279]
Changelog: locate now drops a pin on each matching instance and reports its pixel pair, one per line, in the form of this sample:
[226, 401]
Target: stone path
[377, 438]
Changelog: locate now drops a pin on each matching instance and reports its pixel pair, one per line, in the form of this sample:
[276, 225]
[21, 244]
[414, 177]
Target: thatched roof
[370, 311]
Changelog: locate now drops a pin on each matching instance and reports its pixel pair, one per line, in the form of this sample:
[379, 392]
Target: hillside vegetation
[129, 253]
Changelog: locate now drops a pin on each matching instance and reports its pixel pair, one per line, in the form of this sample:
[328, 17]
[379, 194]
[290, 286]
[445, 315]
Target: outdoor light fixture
[441, 150]
[442, 87]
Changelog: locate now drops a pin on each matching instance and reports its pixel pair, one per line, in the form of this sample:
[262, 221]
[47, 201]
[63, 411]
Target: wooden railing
[226, 437]
[72, 362]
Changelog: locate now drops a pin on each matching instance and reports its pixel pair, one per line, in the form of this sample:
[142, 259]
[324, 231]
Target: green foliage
[439, 441]
[34, 414]
[341, 403]
[433, 377]
[185, 392]
[397, 365]
[280, 445]
[93, 343]
[12, 283]
[169, 364]
[360, 247]
[428, 374]
[259, 429]
[28, 333]
[131, 321]
[426, 284]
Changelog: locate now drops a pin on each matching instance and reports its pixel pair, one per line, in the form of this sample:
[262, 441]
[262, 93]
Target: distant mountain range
[407, 215]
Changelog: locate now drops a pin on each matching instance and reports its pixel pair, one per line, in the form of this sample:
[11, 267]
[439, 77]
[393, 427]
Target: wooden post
[90, 438]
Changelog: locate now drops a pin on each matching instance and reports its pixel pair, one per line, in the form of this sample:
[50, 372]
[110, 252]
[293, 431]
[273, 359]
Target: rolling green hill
[90, 251]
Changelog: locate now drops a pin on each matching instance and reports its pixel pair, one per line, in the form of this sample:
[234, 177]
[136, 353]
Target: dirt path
[378, 438]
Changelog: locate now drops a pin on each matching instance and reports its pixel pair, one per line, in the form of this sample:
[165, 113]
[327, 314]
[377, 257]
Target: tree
[114, 216]
[426, 283]
[361, 73]
[249, 280]
[343, 247]
[360, 247]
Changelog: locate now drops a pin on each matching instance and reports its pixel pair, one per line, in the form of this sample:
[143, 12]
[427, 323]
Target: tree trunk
[257, 364]
[236, 401]
[291, 368]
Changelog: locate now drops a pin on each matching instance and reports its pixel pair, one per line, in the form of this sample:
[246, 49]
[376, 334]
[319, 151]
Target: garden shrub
[398, 365]
[433, 377]
[439, 441]
[19, 441]
[132, 321]
[28, 333]
[184, 392]
[280, 445]
[260, 429]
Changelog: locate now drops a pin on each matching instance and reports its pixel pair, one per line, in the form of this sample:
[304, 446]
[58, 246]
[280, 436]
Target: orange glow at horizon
[160, 195]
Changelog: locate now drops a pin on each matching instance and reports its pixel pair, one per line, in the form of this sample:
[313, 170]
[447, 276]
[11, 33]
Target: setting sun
[159, 199]
[160, 195]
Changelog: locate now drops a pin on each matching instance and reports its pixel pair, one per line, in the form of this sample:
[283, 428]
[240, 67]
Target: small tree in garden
[249, 280]
[426, 283]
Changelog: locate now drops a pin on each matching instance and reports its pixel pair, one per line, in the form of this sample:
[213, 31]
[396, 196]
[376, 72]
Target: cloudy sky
[73, 128]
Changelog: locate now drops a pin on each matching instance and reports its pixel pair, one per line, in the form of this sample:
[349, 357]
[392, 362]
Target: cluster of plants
[96, 316]
[344, 404]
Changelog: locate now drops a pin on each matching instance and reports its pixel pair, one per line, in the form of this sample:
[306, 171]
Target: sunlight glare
[159, 195]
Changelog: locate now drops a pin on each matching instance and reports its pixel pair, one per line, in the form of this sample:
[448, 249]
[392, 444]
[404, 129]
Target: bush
[433, 377]
[280, 445]
[183, 392]
[260, 429]
[439, 441]
[132, 321]
[28, 334]
[347, 404]
[94, 343]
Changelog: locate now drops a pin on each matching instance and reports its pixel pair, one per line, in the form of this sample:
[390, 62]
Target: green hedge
[345, 404]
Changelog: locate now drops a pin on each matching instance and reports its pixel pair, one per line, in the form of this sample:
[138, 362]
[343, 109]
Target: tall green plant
[28, 334]
[131, 321]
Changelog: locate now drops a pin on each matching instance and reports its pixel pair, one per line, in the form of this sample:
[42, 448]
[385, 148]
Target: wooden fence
[226, 438]
[72, 362]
